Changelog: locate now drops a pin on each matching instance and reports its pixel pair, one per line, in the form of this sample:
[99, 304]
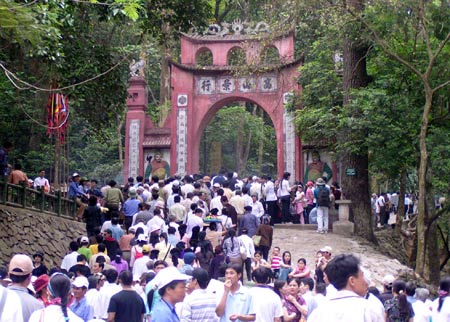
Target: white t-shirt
[53, 313]
[12, 311]
[346, 306]
[267, 304]
[444, 314]
[269, 187]
[192, 222]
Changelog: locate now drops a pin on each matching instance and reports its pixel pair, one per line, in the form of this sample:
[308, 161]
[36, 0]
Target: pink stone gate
[198, 92]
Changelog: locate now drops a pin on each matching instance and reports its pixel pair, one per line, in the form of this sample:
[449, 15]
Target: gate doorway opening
[239, 138]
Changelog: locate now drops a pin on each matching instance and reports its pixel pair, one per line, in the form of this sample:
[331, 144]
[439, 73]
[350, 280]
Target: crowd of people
[200, 249]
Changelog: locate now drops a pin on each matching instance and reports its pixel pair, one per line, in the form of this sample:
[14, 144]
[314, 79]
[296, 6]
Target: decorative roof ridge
[237, 38]
[227, 68]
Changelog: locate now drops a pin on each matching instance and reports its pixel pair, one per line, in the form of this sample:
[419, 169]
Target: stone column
[343, 226]
[135, 126]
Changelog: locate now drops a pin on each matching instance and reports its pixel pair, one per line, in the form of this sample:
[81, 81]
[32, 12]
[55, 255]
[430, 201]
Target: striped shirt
[275, 262]
[200, 305]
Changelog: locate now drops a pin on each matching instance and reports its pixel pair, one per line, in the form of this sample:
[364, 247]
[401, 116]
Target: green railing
[24, 197]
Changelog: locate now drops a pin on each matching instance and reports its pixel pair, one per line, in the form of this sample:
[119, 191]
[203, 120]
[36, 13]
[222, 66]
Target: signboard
[350, 172]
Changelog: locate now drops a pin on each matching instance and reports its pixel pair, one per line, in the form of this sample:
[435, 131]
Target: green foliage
[232, 122]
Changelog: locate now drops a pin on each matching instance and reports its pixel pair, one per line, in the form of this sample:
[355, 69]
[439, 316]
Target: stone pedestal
[343, 226]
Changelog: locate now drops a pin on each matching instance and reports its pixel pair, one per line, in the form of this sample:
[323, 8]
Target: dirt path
[305, 243]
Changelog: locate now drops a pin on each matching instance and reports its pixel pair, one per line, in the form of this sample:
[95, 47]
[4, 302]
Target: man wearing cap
[75, 193]
[387, 288]
[84, 243]
[127, 305]
[348, 304]
[236, 303]
[20, 268]
[80, 305]
[171, 286]
[200, 304]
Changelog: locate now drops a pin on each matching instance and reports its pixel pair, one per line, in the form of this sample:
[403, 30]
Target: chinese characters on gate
[227, 85]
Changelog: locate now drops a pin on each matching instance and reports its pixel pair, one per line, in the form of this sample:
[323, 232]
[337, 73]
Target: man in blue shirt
[130, 207]
[75, 193]
[172, 288]
[80, 306]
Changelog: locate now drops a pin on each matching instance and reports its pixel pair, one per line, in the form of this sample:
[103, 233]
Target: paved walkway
[305, 243]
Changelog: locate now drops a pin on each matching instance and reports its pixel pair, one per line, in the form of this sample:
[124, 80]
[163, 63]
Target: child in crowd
[275, 261]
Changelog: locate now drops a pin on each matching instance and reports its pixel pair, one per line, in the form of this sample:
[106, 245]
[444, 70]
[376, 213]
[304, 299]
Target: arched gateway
[198, 92]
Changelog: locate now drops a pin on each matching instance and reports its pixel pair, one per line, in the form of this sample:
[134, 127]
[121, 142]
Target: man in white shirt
[71, 258]
[216, 201]
[267, 303]
[238, 202]
[348, 304]
[194, 221]
[108, 289]
[41, 182]
[257, 207]
[247, 242]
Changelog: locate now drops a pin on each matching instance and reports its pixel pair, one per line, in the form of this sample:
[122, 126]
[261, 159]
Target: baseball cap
[75, 174]
[168, 275]
[41, 282]
[216, 185]
[142, 237]
[20, 265]
[146, 248]
[84, 239]
[327, 249]
[81, 281]
[388, 279]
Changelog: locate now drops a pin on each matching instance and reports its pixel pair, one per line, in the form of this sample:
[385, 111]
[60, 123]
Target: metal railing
[38, 200]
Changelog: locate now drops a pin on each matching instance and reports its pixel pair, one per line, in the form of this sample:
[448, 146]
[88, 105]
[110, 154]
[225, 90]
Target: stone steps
[297, 226]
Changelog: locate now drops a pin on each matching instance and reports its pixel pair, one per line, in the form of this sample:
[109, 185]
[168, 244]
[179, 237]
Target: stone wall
[26, 231]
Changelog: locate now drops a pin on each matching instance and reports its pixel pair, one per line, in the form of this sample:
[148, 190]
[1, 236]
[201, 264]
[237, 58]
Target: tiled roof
[156, 141]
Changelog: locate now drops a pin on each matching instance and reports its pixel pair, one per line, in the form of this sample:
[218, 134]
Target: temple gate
[198, 92]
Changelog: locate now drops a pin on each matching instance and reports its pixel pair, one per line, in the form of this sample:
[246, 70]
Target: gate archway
[199, 91]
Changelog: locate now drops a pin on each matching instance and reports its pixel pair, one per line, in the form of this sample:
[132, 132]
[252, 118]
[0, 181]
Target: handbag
[256, 240]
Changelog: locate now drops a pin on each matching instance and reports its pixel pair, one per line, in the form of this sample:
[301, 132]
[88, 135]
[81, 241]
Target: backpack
[323, 197]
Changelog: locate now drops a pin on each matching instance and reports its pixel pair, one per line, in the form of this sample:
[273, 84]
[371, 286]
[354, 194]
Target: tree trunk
[261, 143]
[239, 146]
[164, 89]
[427, 263]
[356, 188]
[120, 120]
[401, 202]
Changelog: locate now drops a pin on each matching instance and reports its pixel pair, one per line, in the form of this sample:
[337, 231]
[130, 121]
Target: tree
[426, 54]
